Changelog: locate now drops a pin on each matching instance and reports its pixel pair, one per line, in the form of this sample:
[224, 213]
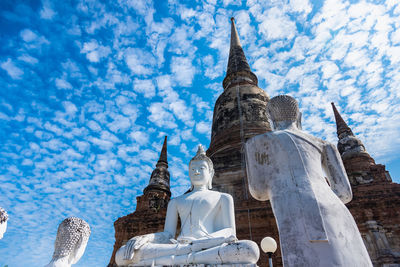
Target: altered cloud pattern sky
[89, 89]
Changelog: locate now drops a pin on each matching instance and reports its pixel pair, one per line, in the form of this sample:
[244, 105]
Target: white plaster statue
[208, 233]
[3, 222]
[72, 237]
[288, 167]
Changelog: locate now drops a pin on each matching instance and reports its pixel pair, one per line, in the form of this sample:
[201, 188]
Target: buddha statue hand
[137, 242]
[205, 243]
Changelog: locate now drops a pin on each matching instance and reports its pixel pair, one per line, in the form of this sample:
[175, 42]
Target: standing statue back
[306, 183]
[72, 237]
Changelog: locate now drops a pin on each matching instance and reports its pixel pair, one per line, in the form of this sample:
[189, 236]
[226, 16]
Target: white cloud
[93, 126]
[148, 155]
[184, 150]
[140, 137]
[277, 25]
[11, 69]
[145, 87]
[182, 112]
[160, 116]
[395, 37]
[232, 2]
[47, 12]
[183, 70]
[203, 127]
[139, 61]
[53, 128]
[329, 69]
[95, 52]
[70, 108]
[62, 84]
[300, 6]
[28, 59]
[119, 124]
[28, 36]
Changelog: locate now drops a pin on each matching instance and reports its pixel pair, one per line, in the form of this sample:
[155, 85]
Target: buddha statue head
[283, 110]
[201, 169]
[72, 237]
[3, 222]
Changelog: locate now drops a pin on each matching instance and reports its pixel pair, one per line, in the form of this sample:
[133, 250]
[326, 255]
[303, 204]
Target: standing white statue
[306, 183]
[208, 233]
[3, 222]
[72, 237]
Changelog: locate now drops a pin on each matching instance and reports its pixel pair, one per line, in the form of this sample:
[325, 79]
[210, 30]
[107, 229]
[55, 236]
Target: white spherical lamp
[269, 246]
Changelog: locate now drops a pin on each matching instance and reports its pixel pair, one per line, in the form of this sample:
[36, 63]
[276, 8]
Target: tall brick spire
[159, 180]
[341, 125]
[355, 156]
[163, 155]
[238, 70]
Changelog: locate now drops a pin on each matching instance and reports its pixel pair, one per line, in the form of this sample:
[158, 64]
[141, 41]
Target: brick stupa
[151, 207]
[376, 199]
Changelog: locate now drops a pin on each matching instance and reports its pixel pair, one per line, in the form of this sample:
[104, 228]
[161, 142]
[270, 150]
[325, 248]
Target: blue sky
[89, 89]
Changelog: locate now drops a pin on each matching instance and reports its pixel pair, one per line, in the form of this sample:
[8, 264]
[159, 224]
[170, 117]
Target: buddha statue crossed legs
[208, 234]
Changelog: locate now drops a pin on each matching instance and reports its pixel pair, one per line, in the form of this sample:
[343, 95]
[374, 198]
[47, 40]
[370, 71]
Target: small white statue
[3, 222]
[72, 237]
[208, 233]
[288, 167]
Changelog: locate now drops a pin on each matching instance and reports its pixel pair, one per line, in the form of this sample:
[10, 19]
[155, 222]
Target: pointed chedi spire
[159, 180]
[238, 70]
[240, 111]
[234, 35]
[163, 155]
[341, 125]
[349, 145]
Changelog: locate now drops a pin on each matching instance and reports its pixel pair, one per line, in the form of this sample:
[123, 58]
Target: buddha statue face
[201, 169]
[199, 173]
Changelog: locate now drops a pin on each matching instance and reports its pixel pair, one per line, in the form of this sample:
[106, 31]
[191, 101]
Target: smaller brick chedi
[151, 207]
[376, 199]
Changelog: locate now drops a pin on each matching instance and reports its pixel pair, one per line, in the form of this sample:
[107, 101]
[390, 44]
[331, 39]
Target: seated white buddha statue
[72, 237]
[208, 234]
